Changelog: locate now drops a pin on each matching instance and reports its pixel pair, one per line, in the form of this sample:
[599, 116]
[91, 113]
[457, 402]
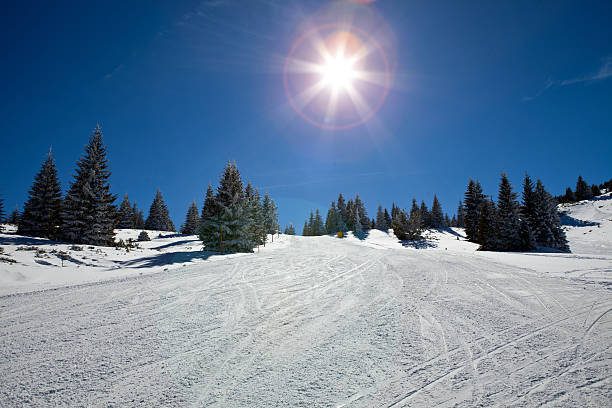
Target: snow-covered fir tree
[192, 220]
[226, 231]
[363, 214]
[88, 214]
[460, 221]
[387, 220]
[437, 215]
[508, 220]
[583, 191]
[305, 231]
[210, 207]
[547, 229]
[425, 216]
[381, 223]
[42, 211]
[488, 227]
[290, 229]
[473, 201]
[126, 215]
[13, 218]
[159, 217]
[137, 217]
[230, 191]
[270, 217]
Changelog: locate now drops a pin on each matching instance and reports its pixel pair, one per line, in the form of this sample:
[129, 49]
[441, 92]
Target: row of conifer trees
[505, 225]
[87, 214]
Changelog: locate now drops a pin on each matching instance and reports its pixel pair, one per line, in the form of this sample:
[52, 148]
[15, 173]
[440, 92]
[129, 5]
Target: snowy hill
[311, 321]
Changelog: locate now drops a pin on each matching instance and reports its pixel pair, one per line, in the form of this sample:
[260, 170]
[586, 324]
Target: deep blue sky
[181, 87]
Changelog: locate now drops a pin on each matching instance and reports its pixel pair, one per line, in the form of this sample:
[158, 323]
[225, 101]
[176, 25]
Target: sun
[336, 76]
[338, 72]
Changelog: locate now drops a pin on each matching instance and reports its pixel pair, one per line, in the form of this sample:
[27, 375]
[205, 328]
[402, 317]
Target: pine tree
[319, 228]
[342, 210]
[460, 216]
[254, 216]
[425, 216]
[473, 201]
[583, 191]
[381, 223]
[447, 221]
[388, 222]
[42, 211]
[488, 227]
[528, 209]
[226, 232]
[394, 211]
[14, 217]
[569, 196]
[400, 225]
[332, 221]
[137, 218]
[547, 229]
[229, 192]
[210, 208]
[508, 224]
[311, 226]
[363, 214]
[595, 191]
[270, 218]
[192, 220]
[159, 218]
[453, 222]
[290, 229]
[88, 213]
[126, 214]
[415, 222]
[305, 231]
[437, 215]
[1, 213]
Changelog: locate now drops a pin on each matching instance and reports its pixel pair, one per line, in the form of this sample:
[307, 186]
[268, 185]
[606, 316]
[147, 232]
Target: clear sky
[179, 88]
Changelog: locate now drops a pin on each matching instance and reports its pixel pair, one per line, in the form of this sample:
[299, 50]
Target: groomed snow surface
[311, 322]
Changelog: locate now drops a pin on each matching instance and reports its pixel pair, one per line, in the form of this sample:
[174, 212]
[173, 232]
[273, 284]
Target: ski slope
[321, 322]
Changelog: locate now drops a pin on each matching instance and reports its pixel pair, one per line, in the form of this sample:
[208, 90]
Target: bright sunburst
[336, 77]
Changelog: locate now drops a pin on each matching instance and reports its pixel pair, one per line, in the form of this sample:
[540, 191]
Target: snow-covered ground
[312, 321]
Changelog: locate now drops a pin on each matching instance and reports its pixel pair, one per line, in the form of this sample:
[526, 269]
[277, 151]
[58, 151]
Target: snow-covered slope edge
[30, 264]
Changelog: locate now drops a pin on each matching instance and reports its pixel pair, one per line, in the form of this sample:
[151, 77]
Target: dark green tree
[42, 211]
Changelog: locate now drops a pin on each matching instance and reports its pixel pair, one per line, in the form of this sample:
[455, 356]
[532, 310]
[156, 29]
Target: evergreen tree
[488, 227]
[508, 220]
[254, 217]
[437, 215]
[226, 232]
[126, 214]
[547, 229]
[290, 230]
[473, 201]
[388, 222]
[137, 218]
[569, 196]
[210, 208]
[14, 217]
[415, 222]
[42, 211]
[88, 213]
[1, 213]
[447, 221]
[425, 216]
[270, 218]
[400, 225]
[229, 192]
[528, 207]
[394, 211]
[350, 214]
[159, 218]
[305, 231]
[381, 223]
[311, 224]
[332, 221]
[192, 220]
[453, 222]
[342, 210]
[460, 216]
[583, 191]
[317, 228]
[363, 214]
[595, 191]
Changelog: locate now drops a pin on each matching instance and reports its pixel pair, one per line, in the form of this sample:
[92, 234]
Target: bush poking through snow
[143, 236]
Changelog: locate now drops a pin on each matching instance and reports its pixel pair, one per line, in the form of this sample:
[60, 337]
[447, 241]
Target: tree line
[583, 191]
[86, 214]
